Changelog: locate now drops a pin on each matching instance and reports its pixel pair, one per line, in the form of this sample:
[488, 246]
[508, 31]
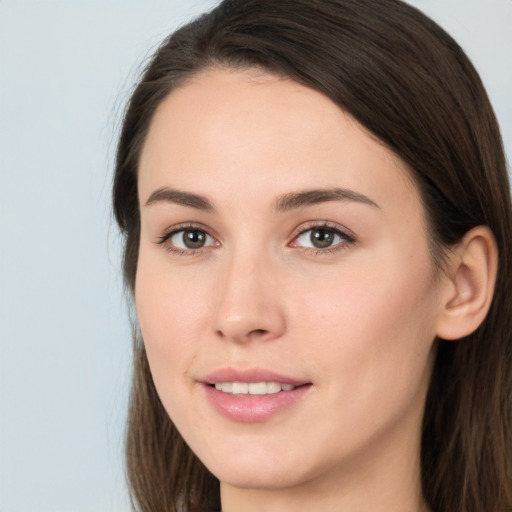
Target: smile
[253, 388]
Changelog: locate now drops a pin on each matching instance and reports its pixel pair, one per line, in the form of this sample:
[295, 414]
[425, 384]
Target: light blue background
[66, 68]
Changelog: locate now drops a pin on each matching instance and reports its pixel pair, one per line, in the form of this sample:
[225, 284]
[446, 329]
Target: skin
[356, 320]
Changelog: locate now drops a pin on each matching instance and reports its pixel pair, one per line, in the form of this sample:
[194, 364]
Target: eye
[186, 240]
[191, 239]
[322, 238]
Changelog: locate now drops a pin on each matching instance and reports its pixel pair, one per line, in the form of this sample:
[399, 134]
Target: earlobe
[469, 285]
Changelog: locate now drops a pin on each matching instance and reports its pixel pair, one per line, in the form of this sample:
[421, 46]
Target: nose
[249, 305]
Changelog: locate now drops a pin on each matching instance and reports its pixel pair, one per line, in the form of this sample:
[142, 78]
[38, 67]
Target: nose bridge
[248, 305]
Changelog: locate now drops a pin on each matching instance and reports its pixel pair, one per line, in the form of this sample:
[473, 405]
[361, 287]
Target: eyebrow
[291, 201]
[170, 195]
[306, 198]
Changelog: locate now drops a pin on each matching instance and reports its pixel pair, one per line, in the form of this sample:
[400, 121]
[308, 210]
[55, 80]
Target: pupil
[321, 238]
[194, 239]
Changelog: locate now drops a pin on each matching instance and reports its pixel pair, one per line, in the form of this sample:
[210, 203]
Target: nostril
[258, 332]
[254, 333]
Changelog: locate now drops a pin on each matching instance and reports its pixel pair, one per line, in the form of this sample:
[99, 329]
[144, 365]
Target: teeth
[227, 387]
[240, 388]
[257, 388]
[254, 388]
[273, 387]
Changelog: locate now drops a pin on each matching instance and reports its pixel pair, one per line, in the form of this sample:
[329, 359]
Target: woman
[318, 240]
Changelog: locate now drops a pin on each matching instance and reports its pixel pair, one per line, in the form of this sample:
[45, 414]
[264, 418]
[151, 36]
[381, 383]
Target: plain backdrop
[66, 69]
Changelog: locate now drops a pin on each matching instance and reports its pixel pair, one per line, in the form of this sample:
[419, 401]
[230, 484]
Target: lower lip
[253, 408]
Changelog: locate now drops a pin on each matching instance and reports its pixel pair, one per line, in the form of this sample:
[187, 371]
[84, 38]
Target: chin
[264, 469]
[258, 477]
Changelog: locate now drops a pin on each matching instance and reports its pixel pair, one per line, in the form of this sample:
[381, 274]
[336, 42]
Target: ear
[469, 285]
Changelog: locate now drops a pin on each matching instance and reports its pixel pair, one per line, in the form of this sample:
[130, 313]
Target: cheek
[170, 315]
[372, 331]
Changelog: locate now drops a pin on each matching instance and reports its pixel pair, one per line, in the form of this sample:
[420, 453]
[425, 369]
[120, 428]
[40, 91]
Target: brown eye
[321, 238]
[194, 239]
[190, 239]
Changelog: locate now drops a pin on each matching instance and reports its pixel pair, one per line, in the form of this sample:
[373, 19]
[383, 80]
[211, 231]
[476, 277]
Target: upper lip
[250, 375]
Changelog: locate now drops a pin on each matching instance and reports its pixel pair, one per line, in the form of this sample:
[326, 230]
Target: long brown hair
[409, 83]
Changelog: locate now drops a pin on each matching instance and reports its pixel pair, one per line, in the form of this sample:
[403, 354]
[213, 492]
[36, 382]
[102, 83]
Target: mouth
[253, 388]
[254, 396]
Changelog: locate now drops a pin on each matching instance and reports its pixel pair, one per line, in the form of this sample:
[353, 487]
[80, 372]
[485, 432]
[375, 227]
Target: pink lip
[252, 408]
[252, 375]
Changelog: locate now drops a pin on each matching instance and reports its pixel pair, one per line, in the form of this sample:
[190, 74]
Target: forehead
[248, 130]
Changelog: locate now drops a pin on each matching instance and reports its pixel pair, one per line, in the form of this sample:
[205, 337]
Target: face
[284, 288]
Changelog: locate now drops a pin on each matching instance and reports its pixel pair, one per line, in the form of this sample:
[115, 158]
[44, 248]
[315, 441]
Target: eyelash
[347, 238]
[164, 239]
